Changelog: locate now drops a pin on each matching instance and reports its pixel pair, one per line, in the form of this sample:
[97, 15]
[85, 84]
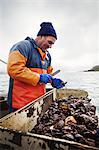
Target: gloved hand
[45, 78]
[57, 83]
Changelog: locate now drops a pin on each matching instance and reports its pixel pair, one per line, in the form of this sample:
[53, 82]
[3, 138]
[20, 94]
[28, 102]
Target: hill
[95, 68]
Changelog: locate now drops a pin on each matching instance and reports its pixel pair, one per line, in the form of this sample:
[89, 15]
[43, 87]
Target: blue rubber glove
[45, 78]
[57, 83]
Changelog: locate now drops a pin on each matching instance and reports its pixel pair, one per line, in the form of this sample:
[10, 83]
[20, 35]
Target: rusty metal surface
[25, 118]
[19, 140]
[67, 92]
[15, 129]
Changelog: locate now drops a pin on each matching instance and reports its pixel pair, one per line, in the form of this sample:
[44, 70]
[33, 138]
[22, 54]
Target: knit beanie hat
[47, 29]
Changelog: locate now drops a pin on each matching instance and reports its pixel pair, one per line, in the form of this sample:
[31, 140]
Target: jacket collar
[43, 55]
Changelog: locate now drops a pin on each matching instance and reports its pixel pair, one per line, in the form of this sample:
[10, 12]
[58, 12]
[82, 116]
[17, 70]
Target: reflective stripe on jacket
[25, 64]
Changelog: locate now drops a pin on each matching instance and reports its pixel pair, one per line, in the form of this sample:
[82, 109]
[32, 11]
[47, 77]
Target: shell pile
[72, 119]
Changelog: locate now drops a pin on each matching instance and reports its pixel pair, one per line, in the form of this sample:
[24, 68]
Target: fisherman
[29, 68]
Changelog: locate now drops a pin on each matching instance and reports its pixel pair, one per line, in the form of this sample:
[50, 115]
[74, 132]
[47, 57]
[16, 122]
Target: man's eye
[50, 42]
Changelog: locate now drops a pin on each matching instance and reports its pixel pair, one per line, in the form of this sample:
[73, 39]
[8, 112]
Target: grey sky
[76, 23]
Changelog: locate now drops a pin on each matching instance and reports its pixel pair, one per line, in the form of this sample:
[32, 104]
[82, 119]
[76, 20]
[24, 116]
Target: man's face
[46, 42]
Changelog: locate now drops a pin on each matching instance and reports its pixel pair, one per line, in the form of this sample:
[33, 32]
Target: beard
[44, 50]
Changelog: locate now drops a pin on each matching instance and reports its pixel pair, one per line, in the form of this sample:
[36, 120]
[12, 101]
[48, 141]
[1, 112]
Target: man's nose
[50, 46]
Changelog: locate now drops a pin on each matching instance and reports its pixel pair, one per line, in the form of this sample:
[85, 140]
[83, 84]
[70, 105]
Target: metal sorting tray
[15, 127]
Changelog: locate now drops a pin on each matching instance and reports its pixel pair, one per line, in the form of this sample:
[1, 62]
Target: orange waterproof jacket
[25, 64]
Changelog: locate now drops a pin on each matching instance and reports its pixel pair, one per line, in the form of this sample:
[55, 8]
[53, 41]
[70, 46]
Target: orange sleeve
[50, 70]
[17, 70]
